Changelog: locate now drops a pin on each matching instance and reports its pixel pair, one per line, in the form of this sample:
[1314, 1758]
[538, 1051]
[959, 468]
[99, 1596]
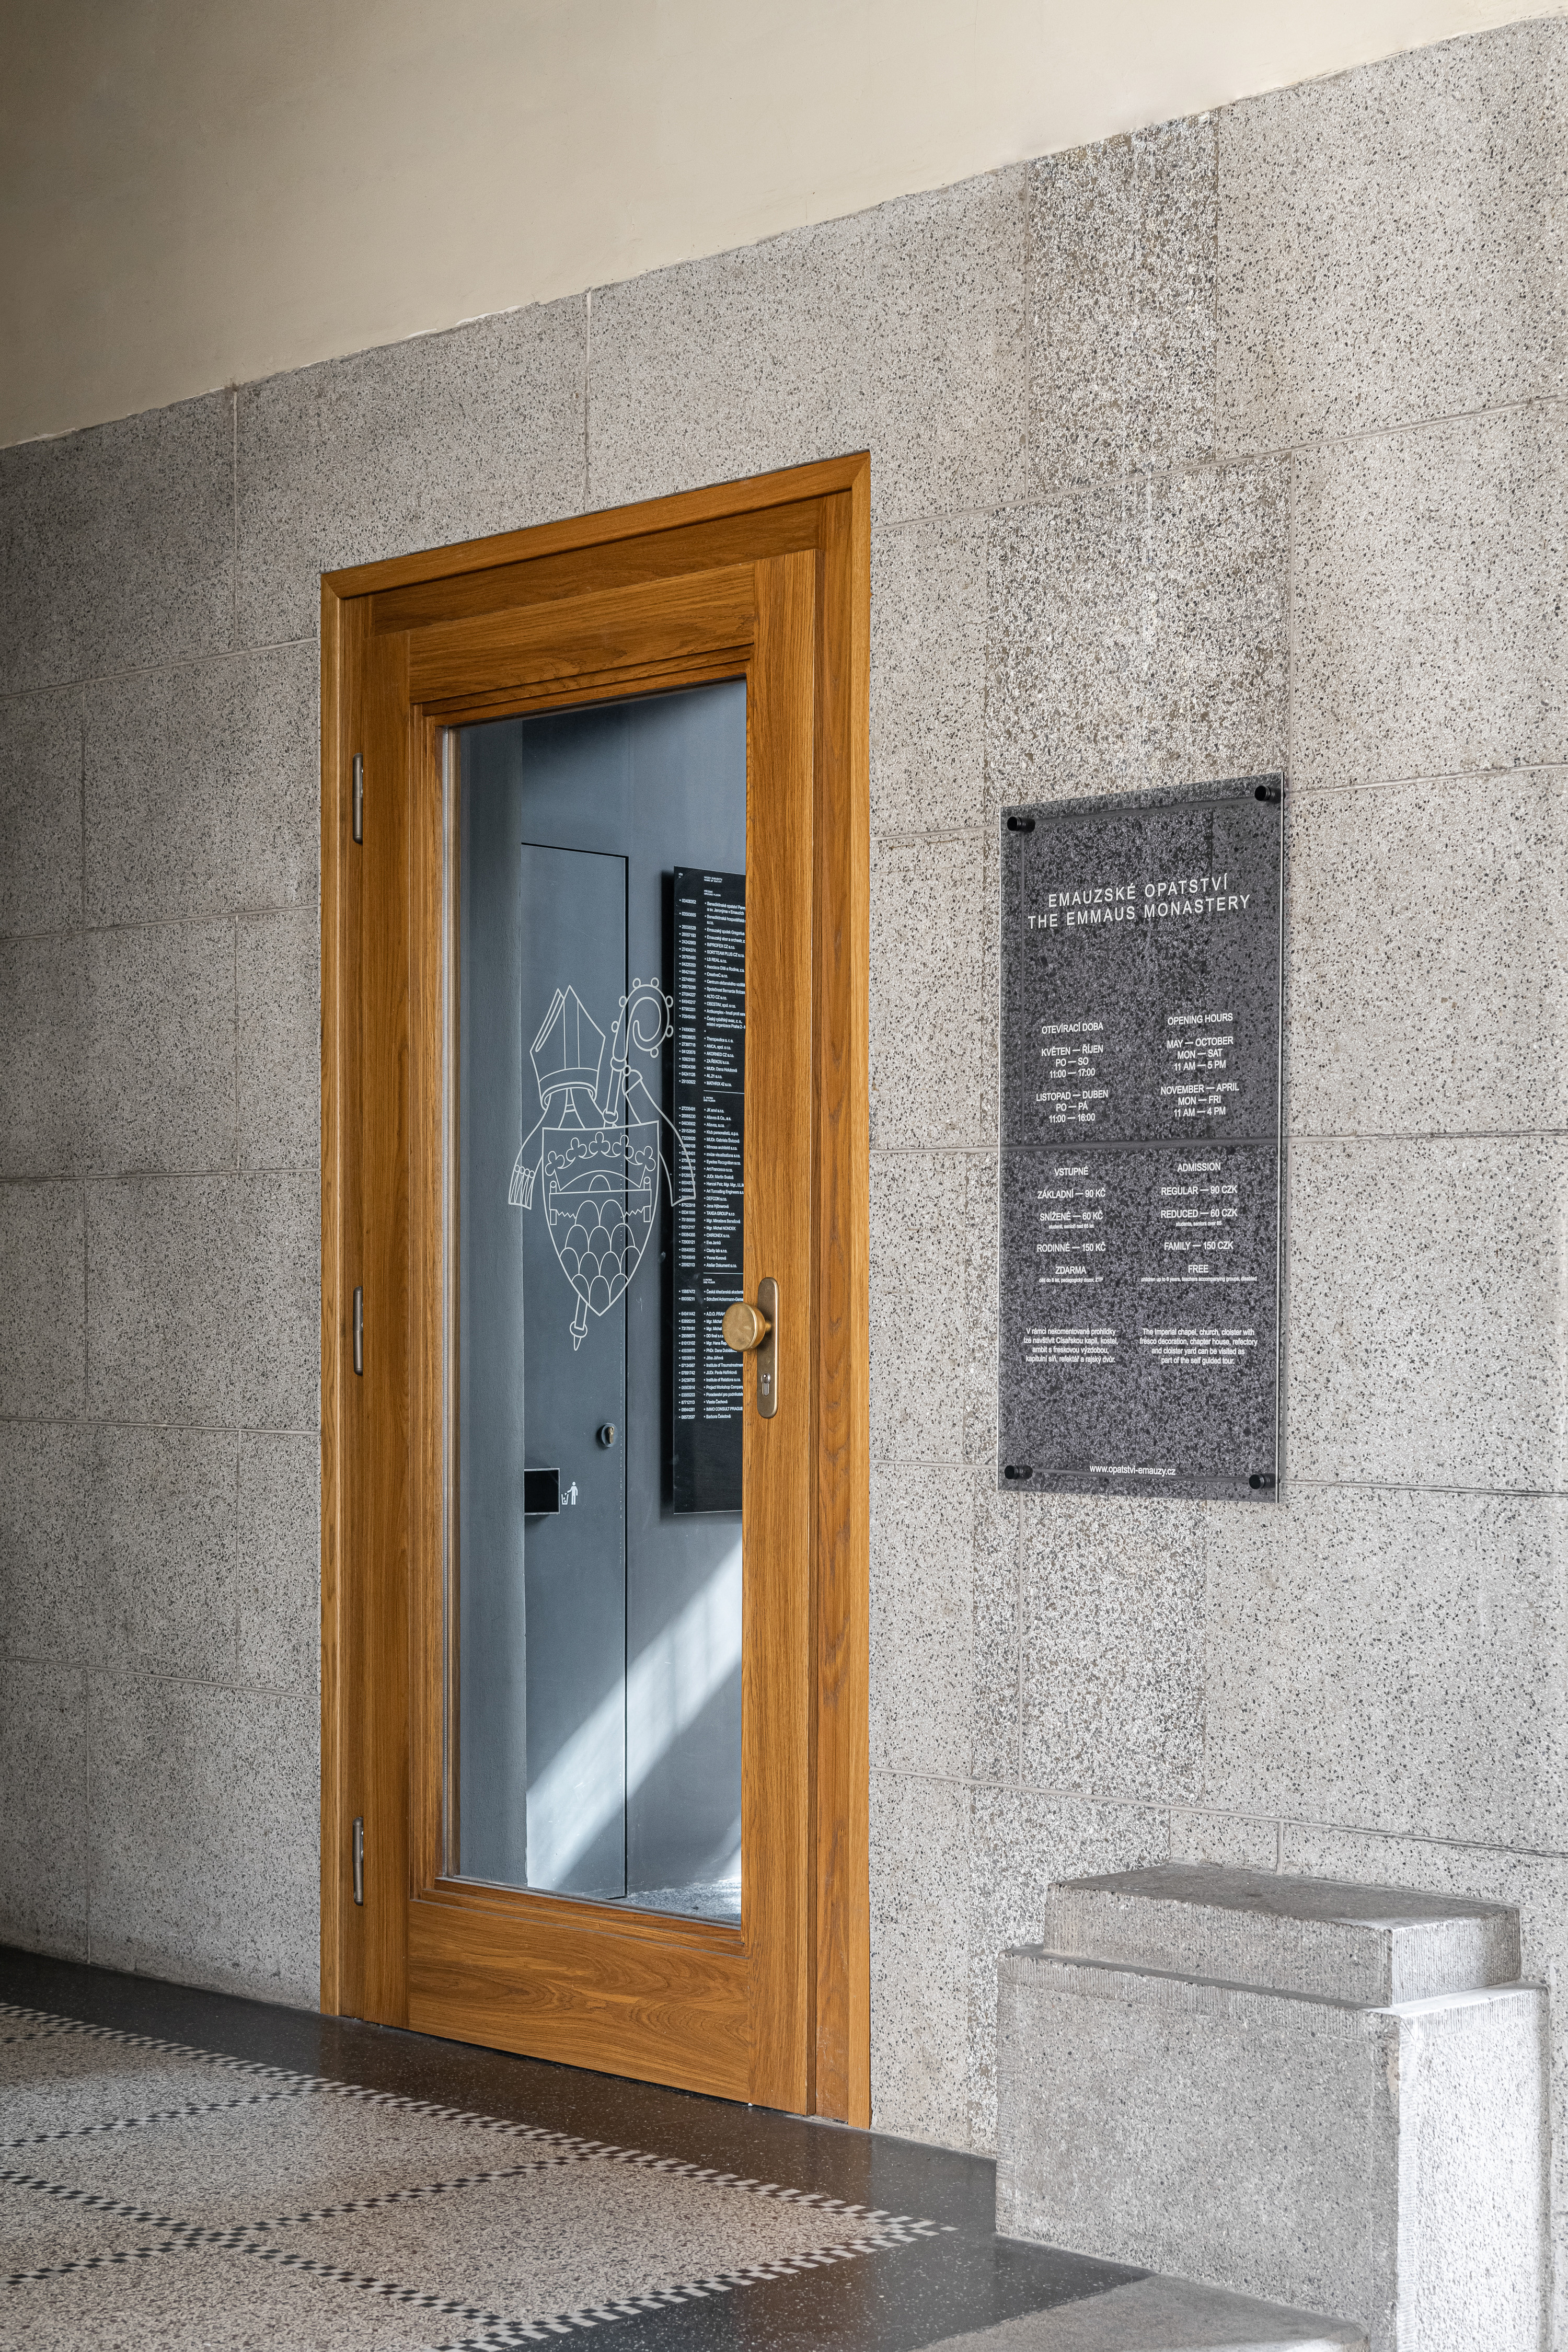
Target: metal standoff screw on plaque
[755, 1330]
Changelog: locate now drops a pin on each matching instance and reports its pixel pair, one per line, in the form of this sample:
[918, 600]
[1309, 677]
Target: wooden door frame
[826, 509]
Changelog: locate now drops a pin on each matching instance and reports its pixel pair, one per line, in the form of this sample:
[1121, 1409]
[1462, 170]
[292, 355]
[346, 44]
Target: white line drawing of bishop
[601, 1145]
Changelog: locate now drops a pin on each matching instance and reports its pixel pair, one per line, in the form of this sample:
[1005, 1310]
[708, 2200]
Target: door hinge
[359, 1332]
[359, 1857]
[359, 796]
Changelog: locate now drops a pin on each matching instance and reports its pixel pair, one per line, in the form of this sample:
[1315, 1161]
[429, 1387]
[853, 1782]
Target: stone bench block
[1370, 1945]
[1387, 2163]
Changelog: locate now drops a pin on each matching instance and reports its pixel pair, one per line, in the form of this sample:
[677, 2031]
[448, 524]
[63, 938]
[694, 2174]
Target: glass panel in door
[595, 1114]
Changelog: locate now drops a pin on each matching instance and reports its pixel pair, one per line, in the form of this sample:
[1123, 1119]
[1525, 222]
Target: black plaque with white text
[709, 1053]
[1139, 1188]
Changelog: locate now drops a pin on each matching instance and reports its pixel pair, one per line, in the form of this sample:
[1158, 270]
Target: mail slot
[541, 1493]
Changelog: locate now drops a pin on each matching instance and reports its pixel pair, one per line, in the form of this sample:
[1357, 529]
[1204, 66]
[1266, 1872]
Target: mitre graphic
[569, 1048]
[601, 1144]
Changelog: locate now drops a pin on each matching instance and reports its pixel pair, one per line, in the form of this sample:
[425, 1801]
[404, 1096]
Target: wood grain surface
[661, 622]
[583, 1995]
[768, 580]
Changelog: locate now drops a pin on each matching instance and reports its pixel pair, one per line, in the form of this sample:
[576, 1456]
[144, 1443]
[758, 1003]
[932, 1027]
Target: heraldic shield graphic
[602, 1146]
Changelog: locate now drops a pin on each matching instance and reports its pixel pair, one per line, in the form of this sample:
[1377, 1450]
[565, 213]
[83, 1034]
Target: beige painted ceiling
[200, 192]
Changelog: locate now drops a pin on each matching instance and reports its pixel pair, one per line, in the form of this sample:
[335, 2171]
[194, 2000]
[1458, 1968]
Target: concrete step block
[1388, 2164]
[1369, 1944]
[1162, 2315]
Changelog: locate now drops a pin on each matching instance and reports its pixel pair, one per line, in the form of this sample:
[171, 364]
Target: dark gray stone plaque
[1139, 1192]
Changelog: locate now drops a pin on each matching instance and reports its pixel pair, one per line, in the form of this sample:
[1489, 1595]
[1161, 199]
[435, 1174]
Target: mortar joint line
[86, 1307]
[140, 1672]
[1121, 1799]
[81, 789]
[239, 1138]
[587, 399]
[235, 1429]
[258, 913]
[87, 1801]
[1051, 494]
[234, 517]
[129, 672]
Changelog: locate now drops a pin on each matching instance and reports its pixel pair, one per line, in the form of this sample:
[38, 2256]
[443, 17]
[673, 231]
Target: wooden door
[765, 582]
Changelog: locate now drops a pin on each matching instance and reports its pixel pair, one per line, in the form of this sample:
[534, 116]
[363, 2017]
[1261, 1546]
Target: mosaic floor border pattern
[847, 2231]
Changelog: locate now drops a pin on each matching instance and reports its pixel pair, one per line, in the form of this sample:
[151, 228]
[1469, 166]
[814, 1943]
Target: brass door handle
[744, 1326]
[748, 1328]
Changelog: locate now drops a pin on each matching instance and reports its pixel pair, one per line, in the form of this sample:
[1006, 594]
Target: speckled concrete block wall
[1297, 498]
[160, 1111]
[1235, 445]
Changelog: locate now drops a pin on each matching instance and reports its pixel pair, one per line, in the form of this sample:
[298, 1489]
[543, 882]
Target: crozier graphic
[599, 1147]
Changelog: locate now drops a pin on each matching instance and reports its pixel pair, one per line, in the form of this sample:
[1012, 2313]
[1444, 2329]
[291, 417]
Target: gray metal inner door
[595, 1700]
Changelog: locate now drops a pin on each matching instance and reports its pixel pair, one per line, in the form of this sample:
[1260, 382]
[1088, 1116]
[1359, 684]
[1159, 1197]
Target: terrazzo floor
[185, 2170]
